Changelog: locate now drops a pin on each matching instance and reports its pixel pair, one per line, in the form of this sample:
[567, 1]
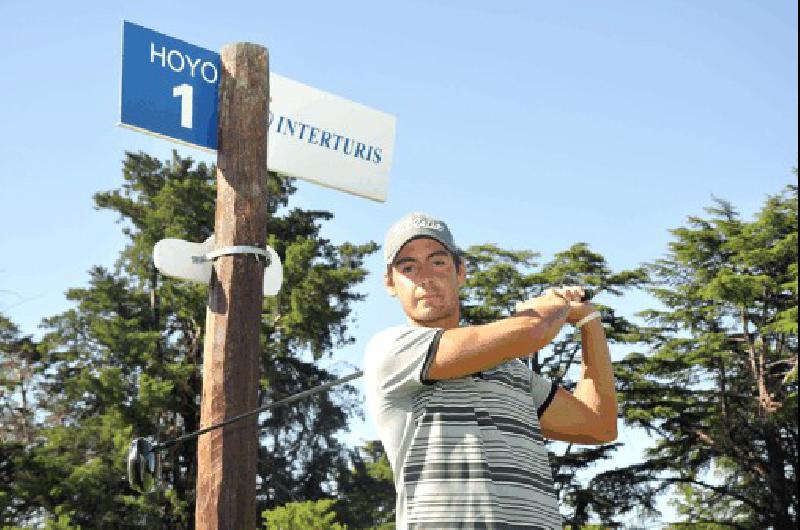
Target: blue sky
[532, 125]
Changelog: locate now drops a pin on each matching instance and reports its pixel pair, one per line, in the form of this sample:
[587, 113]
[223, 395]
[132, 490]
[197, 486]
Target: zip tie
[259, 253]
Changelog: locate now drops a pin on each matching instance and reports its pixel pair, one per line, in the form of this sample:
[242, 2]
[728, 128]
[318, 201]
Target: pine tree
[18, 360]
[302, 516]
[18, 425]
[718, 390]
[366, 495]
[125, 360]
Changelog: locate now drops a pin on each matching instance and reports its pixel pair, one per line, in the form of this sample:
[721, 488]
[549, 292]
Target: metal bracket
[259, 253]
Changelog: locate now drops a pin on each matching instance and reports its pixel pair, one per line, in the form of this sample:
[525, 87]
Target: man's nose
[425, 273]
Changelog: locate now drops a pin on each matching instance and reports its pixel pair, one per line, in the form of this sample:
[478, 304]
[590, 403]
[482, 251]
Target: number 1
[185, 92]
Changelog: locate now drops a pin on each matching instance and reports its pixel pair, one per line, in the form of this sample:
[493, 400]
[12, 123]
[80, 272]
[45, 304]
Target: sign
[170, 89]
[329, 140]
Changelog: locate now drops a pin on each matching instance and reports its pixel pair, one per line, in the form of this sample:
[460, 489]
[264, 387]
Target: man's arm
[589, 414]
[470, 349]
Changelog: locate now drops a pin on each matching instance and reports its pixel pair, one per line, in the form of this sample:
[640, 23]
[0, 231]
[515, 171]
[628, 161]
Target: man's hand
[578, 308]
[571, 295]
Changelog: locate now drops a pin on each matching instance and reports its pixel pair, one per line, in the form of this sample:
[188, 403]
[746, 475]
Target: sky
[531, 125]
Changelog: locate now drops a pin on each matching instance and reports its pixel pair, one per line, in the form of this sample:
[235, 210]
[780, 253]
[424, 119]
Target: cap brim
[393, 258]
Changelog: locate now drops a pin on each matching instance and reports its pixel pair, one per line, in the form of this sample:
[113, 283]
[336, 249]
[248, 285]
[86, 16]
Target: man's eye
[405, 269]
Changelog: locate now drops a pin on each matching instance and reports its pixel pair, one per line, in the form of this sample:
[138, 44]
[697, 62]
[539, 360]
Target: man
[461, 417]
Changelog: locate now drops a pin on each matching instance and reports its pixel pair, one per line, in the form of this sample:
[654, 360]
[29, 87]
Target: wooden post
[226, 474]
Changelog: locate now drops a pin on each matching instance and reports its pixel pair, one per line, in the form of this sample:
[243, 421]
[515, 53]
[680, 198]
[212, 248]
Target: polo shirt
[466, 453]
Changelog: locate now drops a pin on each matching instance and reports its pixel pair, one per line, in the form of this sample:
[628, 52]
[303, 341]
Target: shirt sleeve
[396, 361]
[543, 391]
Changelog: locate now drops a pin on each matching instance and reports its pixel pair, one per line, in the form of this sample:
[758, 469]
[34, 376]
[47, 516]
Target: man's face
[425, 280]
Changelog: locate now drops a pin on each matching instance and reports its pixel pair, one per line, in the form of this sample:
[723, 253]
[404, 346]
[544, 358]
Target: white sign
[329, 140]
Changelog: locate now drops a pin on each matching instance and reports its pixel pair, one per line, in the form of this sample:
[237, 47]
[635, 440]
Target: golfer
[461, 417]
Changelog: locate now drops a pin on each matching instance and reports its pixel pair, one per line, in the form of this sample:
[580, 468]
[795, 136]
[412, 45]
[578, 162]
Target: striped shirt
[467, 452]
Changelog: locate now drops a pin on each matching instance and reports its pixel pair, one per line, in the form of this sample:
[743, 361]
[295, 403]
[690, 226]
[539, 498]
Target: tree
[18, 427]
[18, 357]
[364, 498]
[718, 390]
[302, 516]
[126, 360]
[366, 495]
[496, 280]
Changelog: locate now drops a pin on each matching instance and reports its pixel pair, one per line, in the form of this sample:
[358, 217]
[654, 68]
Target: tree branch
[716, 489]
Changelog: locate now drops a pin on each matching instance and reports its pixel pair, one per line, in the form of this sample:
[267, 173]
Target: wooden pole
[226, 474]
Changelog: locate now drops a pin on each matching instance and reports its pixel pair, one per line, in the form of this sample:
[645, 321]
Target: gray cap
[412, 226]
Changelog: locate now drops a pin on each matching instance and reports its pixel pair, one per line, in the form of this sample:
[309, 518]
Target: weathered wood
[226, 477]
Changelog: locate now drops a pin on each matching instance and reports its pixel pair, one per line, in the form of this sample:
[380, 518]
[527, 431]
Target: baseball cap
[412, 226]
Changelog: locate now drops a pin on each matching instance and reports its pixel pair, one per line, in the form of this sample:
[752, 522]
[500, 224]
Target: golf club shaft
[288, 399]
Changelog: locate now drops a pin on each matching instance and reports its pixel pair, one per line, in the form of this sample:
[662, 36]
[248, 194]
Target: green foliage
[73, 461]
[496, 280]
[125, 361]
[366, 494]
[11, 459]
[707, 509]
[19, 360]
[718, 390]
[303, 516]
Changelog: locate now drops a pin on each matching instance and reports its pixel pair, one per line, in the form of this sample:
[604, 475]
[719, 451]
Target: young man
[461, 417]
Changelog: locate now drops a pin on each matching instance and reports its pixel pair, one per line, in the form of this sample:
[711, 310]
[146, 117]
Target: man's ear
[388, 283]
[461, 274]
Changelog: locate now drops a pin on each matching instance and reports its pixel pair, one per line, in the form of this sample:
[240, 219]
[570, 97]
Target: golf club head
[144, 466]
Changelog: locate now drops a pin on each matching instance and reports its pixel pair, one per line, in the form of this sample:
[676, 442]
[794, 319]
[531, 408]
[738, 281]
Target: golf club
[144, 461]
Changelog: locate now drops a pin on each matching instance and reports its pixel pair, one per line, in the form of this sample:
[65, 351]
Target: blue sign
[169, 87]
